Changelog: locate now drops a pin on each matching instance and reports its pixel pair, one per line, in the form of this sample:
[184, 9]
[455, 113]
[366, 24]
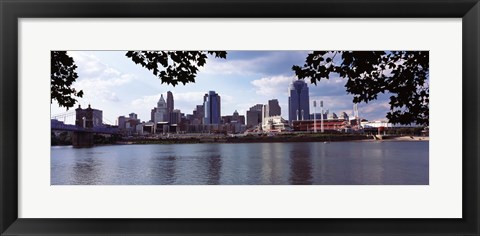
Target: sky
[113, 83]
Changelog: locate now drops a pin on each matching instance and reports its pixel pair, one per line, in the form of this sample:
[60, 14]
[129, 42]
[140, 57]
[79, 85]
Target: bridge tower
[84, 118]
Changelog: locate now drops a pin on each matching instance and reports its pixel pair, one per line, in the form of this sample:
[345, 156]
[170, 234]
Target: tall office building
[152, 114]
[254, 115]
[170, 104]
[161, 111]
[298, 101]
[175, 117]
[211, 104]
[274, 108]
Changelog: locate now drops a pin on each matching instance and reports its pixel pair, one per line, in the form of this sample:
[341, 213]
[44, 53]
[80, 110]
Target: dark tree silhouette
[404, 74]
[172, 67]
[62, 76]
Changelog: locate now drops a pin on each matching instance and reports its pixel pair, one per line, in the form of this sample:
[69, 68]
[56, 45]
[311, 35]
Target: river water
[318, 163]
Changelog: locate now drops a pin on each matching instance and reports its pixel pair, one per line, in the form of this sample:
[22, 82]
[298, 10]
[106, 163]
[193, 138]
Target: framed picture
[290, 180]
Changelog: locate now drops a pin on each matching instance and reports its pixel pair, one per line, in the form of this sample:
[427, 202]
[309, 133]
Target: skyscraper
[161, 111]
[274, 108]
[170, 104]
[298, 101]
[254, 115]
[175, 116]
[152, 114]
[211, 104]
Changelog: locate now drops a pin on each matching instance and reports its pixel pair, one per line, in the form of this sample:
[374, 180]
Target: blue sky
[113, 83]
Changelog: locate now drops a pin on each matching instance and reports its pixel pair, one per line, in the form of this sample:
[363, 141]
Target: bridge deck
[64, 127]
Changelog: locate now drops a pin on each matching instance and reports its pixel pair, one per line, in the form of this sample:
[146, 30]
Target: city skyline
[112, 83]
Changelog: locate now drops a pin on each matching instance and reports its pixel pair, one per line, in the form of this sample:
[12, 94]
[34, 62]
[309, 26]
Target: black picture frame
[12, 10]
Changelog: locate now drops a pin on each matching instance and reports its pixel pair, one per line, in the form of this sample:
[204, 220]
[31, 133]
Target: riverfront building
[298, 101]
[211, 104]
[318, 116]
[234, 124]
[343, 116]
[275, 124]
[331, 125]
[332, 116]
[386, 124]
[127, 125]
[235, 118]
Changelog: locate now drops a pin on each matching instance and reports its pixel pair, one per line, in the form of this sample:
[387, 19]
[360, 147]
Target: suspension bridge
[87, 122]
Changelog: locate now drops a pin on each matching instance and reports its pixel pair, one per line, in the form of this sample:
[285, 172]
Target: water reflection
[300, 165]
[252, 163]
[163, 170]
[86, 168]
[214, 169]
[273, 170]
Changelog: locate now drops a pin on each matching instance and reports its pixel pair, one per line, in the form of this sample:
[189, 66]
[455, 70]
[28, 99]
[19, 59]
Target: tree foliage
[404, 74]
[62, 76]
[172, 67]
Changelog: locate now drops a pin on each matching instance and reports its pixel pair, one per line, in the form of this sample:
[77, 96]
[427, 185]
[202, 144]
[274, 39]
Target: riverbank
[248, 139]
[408, 138]
[273, 139]
[279, 138]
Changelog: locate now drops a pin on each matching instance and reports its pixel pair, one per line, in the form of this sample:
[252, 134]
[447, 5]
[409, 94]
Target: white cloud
[97, 79]
[375, 106]
[234, 67]
[227, 99]
[272, 86]
[146, 101]
[374, 110]
[241, 108]
[109, 96]
[334, 103]
[196, 97]
[185, 101]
